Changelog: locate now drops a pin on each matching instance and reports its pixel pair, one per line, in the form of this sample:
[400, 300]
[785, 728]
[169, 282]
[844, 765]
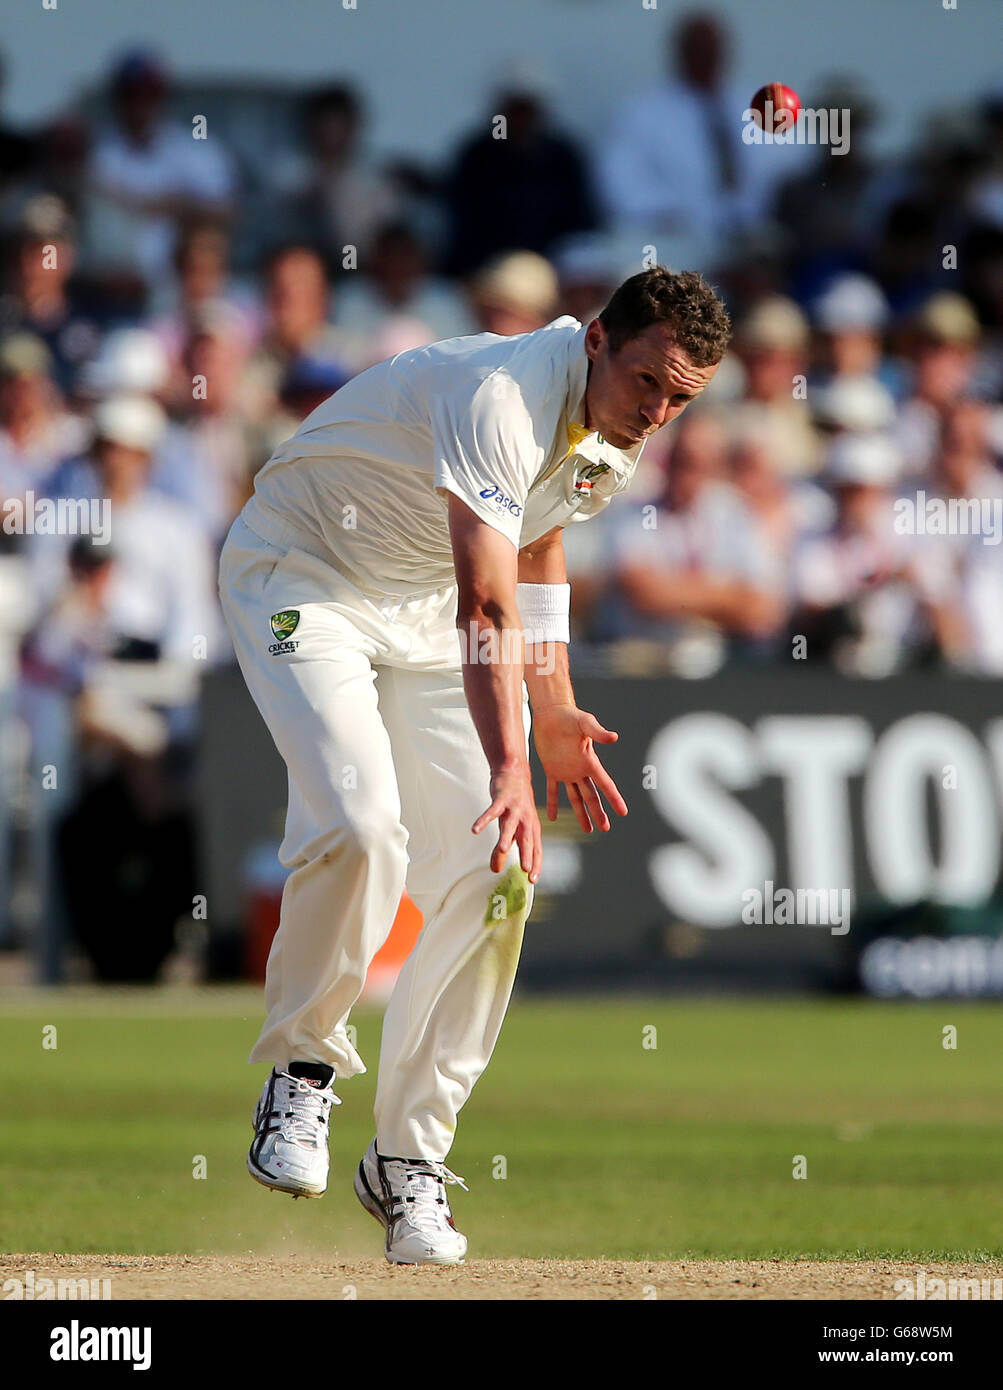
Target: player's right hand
[513, 806]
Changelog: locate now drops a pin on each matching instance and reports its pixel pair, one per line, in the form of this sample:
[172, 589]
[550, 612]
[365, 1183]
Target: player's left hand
[564, 737]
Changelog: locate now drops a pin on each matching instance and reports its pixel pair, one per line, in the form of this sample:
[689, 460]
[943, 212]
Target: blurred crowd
[171, 308]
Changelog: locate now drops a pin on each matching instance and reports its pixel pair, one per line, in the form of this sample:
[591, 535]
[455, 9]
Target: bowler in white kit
[397, 597]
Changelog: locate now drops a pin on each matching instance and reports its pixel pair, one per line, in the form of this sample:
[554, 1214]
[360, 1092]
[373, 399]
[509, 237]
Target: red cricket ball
[775, 108]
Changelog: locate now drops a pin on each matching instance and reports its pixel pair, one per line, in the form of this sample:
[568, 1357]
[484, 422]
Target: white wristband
[545, 611]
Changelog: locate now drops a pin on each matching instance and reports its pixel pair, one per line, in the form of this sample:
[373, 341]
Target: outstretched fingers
[609, 789]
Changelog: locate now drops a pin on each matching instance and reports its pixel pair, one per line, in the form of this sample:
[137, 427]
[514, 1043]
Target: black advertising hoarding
[854, 825]
[874, 795]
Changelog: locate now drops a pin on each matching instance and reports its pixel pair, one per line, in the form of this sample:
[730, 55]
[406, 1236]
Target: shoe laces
[420, 1187]
[301, 1109]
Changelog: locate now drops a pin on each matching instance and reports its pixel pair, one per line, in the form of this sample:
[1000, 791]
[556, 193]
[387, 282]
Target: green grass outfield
[612, 1149]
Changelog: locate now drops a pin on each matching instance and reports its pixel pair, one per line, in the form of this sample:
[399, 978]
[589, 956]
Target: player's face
[634, 392]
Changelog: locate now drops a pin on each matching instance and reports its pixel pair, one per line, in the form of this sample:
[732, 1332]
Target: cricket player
[398, 601]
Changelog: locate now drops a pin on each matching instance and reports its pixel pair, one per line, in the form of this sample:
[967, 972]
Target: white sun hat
[133, 421]
[131, 360]
[854, 403]
[851, 302]
[869, 460]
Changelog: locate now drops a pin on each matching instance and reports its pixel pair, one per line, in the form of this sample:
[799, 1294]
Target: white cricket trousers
[364, 700]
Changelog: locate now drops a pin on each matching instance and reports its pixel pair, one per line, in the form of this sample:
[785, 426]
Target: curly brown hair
[700, 322]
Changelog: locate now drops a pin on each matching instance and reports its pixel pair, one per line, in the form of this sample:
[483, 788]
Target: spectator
[148, 174]
[692, 571]
[297, 308]
[203, 285]
[849, 319]
[41, 297]
[783, 509]
[332, 196]
[395, 285]
[122, 797]
[204, 459]
[517, 293]
[943, 350]
[161, 595]
[73, 632]
[526, 188]
[850, 388]
[673, 160]
[419, 205]
[112, 679]
[36, 431]
[856, 601]
[961, 567]
[772, 345]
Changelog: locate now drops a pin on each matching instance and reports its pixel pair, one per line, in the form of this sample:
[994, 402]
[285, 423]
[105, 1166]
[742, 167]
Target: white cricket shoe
[408, 1197]
[289, 1149]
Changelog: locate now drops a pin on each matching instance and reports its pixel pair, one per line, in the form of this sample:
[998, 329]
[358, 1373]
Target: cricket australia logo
[585, 477]
[284, 624]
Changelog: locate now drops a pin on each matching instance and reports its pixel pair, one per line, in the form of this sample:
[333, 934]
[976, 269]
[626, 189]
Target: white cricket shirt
[497, 421]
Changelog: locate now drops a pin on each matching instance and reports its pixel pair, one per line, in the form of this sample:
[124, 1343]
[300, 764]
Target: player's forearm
[492, 682]
[548, 679]
[490, 628]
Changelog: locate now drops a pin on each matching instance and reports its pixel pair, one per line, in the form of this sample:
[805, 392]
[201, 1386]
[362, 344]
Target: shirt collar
[578, 375]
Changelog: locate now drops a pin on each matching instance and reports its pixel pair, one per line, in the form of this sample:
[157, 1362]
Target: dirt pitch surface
[252, 1277]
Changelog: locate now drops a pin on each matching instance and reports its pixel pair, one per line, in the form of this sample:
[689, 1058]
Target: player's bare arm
[564, 734]
[487, 616]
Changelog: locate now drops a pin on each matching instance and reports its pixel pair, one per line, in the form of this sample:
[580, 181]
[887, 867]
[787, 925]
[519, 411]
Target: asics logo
[507, 504]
